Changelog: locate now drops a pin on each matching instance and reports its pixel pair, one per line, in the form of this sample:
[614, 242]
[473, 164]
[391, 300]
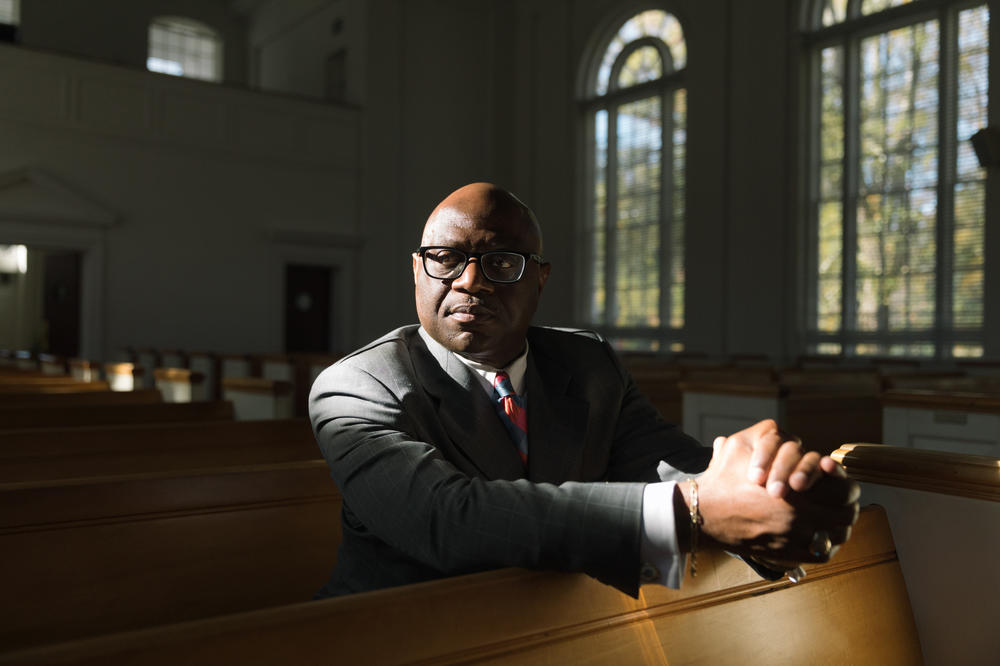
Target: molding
[976, 477]
[30, 194]
[314, 238]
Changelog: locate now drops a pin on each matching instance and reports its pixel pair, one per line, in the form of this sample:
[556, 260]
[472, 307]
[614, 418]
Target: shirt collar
[486, 374]
[515, 370]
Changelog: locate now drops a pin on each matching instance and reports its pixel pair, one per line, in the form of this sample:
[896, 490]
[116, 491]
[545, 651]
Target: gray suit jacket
[433, 485]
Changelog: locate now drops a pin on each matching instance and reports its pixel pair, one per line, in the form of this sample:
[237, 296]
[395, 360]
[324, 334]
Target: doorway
[307, 308]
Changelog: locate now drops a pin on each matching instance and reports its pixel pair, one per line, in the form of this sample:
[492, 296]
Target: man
[477, 441]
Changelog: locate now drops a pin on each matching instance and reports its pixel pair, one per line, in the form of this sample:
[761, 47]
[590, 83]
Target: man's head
[481, 319]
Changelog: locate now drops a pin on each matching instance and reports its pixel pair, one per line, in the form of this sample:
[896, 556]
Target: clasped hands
[762, 497]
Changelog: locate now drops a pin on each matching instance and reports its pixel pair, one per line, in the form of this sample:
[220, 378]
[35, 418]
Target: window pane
[873, 6]
[969, 190]
[10, 11]
[182, 47]
[829, 207]
[652, 23]
[637, 228]
[834, 11]
[897, 201]
[642, 65]
[597, 232]
[679, 214]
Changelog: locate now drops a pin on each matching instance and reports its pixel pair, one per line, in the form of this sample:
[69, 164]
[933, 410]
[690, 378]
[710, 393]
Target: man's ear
[416, 266]
[543, 275]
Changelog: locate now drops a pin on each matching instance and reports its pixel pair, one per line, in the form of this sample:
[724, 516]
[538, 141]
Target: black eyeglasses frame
[478, 257]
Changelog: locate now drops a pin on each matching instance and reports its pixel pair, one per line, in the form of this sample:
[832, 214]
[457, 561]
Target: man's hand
[762, 497]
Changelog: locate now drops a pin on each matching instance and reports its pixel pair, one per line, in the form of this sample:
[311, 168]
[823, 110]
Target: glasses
[502, 266]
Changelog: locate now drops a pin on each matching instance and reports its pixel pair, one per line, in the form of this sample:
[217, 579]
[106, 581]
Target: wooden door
[307, 308]
[61, 302]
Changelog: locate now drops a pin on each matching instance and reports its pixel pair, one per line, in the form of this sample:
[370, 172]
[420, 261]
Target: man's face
[481, 320]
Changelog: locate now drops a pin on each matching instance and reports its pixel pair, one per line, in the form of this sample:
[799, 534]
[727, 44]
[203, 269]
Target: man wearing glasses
[476, 441]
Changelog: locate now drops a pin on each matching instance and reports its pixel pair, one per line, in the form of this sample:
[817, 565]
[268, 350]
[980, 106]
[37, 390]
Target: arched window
[633, 240]
[896, 195]
[184, 47]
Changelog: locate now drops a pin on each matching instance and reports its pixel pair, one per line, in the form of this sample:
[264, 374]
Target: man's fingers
[832, 467]
[806, 473]
[785, 462]
[765, 448]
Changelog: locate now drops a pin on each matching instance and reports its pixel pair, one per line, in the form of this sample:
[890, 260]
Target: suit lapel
[465, 411]
[557, 421]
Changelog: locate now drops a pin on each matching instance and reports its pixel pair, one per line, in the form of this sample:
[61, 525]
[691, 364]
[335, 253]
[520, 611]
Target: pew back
[58, 453]
[851, 610]
[944, 509]
[90, 556]
[89, 415]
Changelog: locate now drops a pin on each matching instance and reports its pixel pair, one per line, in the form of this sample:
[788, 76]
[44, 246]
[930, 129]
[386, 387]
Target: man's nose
[472, 278]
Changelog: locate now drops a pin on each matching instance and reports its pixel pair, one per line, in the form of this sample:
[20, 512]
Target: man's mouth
[467, 312]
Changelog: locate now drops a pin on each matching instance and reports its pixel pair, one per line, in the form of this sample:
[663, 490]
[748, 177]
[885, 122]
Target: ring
[820, 546]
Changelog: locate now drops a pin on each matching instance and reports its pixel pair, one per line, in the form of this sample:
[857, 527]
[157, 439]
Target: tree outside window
[897, 197]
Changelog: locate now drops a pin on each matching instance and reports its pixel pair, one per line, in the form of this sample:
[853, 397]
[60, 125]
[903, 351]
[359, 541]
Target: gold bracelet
[695, 526]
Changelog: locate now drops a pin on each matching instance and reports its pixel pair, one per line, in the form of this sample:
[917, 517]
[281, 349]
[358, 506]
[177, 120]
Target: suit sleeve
[409, 496]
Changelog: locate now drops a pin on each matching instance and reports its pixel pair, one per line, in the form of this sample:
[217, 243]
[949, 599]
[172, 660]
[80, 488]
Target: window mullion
[947, 84]
[666, 207]
[852, 149]
[610, 220]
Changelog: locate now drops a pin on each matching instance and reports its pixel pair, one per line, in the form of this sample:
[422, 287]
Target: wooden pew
[89, 556]
[60, 399]
[37, 454]
[658, 378]
[123, 376]
[823, 407]
[84, 370]
[89, 415]
[181, 385]
[256, 398]
[945, 514]
[957, 414]
[852, 610]
[51, 384]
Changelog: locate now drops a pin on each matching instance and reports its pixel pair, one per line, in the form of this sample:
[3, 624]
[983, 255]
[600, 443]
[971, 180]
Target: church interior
[773, 209]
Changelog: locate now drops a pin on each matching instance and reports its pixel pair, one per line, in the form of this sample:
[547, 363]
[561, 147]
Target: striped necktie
[512, 413]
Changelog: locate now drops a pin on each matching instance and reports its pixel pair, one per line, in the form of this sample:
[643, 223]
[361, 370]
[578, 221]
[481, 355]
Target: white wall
[201, 178]
[117, 32]
[290, 41]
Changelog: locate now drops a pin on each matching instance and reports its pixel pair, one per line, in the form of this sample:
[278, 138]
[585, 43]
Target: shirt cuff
[660, 554]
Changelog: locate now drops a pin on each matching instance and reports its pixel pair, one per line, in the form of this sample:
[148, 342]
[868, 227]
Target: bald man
[476, 441]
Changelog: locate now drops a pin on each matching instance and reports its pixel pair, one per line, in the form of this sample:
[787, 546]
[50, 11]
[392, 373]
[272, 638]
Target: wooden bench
[957, 414]
[258, 398]
[89, 556]
[825, 408]
[37, 454]
[853, 609]
[123, 376]
[51, 384]
[79, 415]
[659, 380]
[181, 385]
[945, 514]
[94, 396]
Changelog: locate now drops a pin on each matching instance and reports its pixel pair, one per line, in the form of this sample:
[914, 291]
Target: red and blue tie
[512, 413]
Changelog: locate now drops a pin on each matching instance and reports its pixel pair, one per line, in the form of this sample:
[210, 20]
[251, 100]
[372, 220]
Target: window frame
[943, 336]
[209, 33]
[664, 337]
